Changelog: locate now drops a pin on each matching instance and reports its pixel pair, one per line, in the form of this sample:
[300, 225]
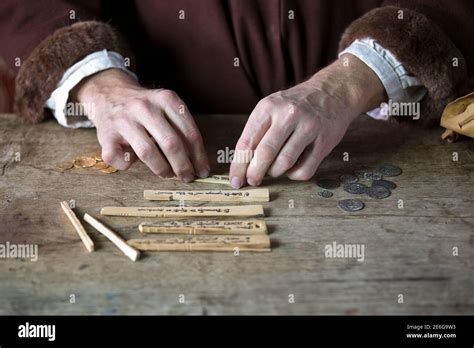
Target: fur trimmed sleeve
[45, 66]
[423, 48]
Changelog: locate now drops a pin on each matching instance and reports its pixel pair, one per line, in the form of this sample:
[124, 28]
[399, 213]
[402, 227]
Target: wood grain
[408, 250]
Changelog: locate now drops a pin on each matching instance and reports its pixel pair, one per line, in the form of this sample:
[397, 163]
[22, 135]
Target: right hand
[156, 124]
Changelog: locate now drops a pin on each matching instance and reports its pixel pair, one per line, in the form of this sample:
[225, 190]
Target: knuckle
[138, 105]
[167, 95]
[265, 154]
[145, 151]
[244, 144]
[267, 103]
[285, 161]
[193, 135]
[170, 144]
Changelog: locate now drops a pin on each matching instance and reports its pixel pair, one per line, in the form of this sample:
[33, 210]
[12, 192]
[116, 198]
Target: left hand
[290, 132]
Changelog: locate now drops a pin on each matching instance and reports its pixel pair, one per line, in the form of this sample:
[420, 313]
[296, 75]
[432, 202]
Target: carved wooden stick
[88, 243]
[236, 210]
[204, 243]
[256, 195]
[231, 227]
[132, 253]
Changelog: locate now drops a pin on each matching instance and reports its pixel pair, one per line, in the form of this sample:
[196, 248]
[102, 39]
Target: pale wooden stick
[204, 243]
[256, 195]
[88, 243]
[215, 179]
[235, 210]
[132, 253]
[227, 227]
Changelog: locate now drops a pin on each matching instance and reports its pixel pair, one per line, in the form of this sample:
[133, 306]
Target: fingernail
[235, 182]
[204, 173]
[188, 178]
[252, 182]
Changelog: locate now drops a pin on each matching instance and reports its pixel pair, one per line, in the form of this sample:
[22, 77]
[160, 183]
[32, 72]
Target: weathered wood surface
[407, 251]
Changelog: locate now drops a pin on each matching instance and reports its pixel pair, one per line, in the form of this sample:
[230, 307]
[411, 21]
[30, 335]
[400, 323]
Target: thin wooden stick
[215, 179]
[204, 243]
[227, 227]
[235, 210]
[132, 253]
[88, 243]
[256, 195]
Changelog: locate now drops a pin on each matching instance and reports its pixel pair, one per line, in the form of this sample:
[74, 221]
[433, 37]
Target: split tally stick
[88, 243]
[255, 195]
[258, 243]
[226, 227]
[165, 212]
[131, 252]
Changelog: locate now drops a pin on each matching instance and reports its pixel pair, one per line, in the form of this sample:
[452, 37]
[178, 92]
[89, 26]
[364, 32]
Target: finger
[113, 152]
[179, 116]
[146, 150]
[308, 162]
[266, 152]
[170, 144]
[256, 127]
[290, 152]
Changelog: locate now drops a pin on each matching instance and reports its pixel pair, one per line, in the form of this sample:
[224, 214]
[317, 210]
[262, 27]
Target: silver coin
[385, 183]
[348, 178]
[360, 173]
[328, 184]
[378, 192]
[325, 194]
[351, 205]
[355, 188]
[389, 170]
[372, 175]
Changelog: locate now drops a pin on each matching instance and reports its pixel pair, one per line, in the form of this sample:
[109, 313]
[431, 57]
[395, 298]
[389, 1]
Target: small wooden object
[215, 179]
[166, 212]
[131, 252]
[227, 227]
[88, 243]
[204, 243]
[256, 195]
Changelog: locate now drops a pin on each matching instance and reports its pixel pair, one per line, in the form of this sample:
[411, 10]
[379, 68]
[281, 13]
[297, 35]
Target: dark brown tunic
[223, 56]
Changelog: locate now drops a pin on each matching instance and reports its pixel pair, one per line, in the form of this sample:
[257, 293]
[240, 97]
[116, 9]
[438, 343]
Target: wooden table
[408, 251]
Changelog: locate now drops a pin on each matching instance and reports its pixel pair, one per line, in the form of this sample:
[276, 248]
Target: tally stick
[255, 195]
[88, 243]
[235, 210]
[227, 227]
[131, 252]
[204, 243]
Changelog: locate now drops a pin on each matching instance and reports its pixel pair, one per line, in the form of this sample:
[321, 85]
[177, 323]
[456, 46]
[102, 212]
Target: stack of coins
[88, 160]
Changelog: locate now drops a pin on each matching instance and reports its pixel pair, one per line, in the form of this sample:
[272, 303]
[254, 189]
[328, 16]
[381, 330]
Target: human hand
[290, 132]
[154, 123]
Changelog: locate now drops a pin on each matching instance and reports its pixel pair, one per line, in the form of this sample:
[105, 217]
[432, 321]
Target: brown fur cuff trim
[45, 66]
[423, 48]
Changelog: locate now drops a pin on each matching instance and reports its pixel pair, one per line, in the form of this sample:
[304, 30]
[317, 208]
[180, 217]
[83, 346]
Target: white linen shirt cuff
[400, 84]
[91, 64]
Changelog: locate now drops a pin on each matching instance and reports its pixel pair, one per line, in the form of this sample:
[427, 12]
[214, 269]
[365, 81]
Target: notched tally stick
[225, 227]
[255, 195]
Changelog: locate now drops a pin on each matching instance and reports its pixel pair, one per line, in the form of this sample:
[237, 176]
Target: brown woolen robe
[224, 56]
